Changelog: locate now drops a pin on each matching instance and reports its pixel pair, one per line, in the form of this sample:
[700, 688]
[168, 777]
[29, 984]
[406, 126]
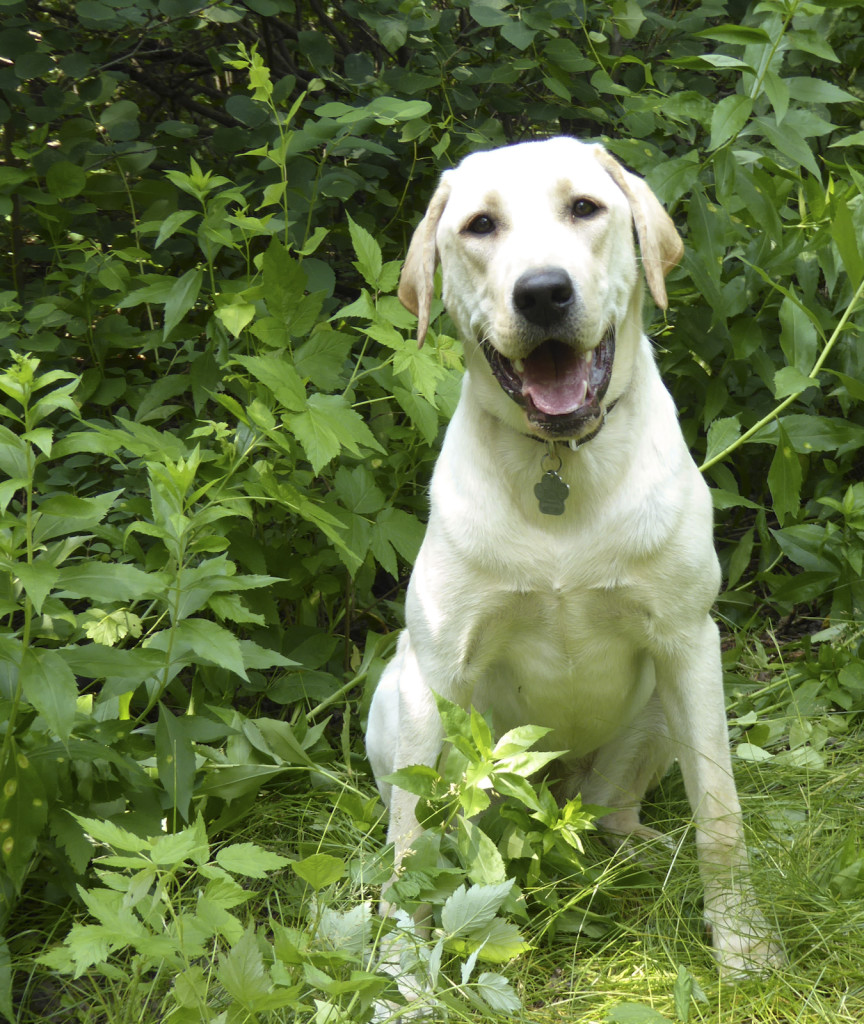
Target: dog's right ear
[417, 283]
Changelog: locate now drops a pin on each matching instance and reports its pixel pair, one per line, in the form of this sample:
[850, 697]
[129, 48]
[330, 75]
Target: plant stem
[812, 375]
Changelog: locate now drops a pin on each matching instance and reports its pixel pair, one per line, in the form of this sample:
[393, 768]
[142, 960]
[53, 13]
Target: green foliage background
[216, 428]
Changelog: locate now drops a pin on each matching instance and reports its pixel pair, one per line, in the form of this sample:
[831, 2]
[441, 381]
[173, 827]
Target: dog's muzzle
[560, 388]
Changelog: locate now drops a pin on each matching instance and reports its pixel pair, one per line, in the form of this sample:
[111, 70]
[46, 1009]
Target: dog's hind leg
[621, 772]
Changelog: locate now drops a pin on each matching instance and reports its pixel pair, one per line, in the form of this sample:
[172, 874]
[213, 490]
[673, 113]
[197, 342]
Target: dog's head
[540, 276]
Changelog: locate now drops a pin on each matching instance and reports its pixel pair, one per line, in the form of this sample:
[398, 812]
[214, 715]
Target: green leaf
[468, 911]
[181, 298]
[368, 253]
[23, 813]
[38, 580]
[817, 90]
[327, 426]
[111, 834]
[284, 279]
[729, 117]
[236, 316]
[104, 581]
[65, 179]
[784, 478]
[497, 992]
[517, 740]
[737, 35]
[319, 870]
[175, 759]
[345, 931]
[48, 684]
[845, 236]
[789, 142]
[172, 223]
[721, 434]
[209, 641]
[279, 377]
[249, 860]
[798, 337]
[635, 1013]
[789, 380]
[498, 942]
[396, 531]
[6, 981]
[242, 974]
[172, 849]
[484, 864]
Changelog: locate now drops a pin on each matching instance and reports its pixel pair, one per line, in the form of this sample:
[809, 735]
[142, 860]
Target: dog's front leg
[404, 729]
[689, 677]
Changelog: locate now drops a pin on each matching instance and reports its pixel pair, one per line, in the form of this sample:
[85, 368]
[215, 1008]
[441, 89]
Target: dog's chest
[559, 659]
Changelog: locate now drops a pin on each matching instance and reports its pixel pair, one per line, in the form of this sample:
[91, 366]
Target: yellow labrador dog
[568, 572]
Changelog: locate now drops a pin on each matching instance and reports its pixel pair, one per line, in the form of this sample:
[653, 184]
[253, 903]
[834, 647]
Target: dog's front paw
[745, 945]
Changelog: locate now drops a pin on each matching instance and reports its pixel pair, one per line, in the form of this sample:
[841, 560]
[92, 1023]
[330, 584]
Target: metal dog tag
[551, 491]
[551, 494]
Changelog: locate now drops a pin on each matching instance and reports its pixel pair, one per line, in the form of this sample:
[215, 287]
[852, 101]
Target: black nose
[544, 296]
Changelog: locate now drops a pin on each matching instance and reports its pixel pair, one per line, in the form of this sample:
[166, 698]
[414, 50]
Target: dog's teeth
[574, 444]
[518, 365]
[589, 358]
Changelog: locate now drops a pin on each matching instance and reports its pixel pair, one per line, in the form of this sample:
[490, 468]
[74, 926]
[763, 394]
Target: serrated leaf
[497, 992]
[49, 686]
[721, 434]
[728, 118]
[279, 377]
[349, 931]
[328, 425]
[175, 848]
[319, 870]
[209, 641]
[515, 741]
[112, 835]
[469, 910]
[38, 580]
[225, 892]
[789, 380]
[484, 864]
[368, 253]
[498, 942]
[242, 974]
[249, 860]
[285, 281]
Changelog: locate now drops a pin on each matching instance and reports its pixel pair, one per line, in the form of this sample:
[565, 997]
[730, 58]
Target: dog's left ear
[417, 283]
[659, 242]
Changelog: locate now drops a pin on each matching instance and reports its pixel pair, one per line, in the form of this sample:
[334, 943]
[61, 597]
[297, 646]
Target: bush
[217, 428]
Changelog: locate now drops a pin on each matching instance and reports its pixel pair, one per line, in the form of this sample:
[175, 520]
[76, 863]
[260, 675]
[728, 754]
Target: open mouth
[560, 389]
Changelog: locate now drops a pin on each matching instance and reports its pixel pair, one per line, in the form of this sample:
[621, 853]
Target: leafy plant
[216, 427]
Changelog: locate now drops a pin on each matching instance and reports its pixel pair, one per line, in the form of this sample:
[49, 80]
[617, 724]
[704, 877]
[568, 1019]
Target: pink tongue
[555, 378]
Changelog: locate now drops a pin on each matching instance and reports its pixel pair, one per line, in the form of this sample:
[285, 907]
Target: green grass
[805, 828]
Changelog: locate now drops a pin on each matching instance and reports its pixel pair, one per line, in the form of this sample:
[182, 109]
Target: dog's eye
[582, 208]
[482, 224]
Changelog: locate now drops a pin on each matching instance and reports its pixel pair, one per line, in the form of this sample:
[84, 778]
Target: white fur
[594, 623]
